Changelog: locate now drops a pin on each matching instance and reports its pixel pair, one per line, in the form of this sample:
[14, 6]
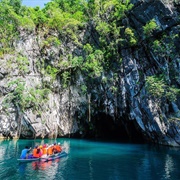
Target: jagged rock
[131, 111]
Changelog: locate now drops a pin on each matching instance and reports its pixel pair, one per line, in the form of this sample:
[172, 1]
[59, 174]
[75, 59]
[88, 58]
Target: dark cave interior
[123, 129]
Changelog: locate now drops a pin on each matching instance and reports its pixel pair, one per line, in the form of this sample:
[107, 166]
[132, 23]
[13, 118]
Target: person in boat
[36, 152]
[25, 152]
[50, 150]
[40, 151]
[44, 150]
[57, 148]
[54, 148]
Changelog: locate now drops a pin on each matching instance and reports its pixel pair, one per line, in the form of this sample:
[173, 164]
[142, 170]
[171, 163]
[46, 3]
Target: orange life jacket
[44, 151]
[35, 154]
[50, 151]
[58, 148]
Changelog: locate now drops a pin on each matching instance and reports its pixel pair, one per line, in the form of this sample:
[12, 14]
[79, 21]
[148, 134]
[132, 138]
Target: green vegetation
[66, 18]
[22, 64]
[52, 71]
[130, 36]
[61, 29]
[157, 87]
[163, 47]
[26, 98]
[150, 27]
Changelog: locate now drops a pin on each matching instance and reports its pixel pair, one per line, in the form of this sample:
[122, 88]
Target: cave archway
[123, 129]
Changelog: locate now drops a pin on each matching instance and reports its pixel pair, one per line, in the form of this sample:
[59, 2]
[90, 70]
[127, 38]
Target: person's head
[38, 150]
[26, 147]
[44, 146]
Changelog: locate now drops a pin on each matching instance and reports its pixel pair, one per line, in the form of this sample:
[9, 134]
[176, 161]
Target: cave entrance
[123, 130]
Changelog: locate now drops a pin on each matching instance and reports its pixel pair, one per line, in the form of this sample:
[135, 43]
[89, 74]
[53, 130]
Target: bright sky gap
[34, 3]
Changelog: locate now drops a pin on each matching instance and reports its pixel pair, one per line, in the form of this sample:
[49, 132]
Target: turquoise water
[92, 160]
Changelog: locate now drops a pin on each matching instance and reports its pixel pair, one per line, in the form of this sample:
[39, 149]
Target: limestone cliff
[63, 100]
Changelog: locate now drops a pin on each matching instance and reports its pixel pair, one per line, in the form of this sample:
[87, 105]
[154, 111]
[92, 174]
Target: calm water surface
[92, 160]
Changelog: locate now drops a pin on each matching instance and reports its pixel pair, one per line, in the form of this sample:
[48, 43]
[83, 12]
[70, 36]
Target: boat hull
[56, 156]
[28, 160]
[44, 159]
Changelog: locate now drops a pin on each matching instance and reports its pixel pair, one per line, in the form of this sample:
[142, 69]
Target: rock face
[130, 112]
[152, 117]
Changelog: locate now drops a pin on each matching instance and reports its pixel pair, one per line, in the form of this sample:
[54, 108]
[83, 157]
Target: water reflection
[40, 170]
[38, 165]
[169, 166]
